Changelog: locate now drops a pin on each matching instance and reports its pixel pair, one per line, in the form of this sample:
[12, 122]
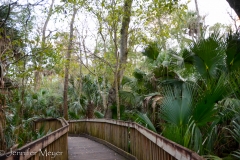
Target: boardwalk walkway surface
[81, 148]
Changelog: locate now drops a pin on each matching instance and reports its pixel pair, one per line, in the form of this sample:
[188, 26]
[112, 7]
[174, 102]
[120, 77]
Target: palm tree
[192, 111]
[206, 56]
[91, 92]
[187, 109]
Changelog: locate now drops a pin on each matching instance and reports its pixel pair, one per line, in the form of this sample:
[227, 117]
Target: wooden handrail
[129, 136]
[48, 147]
[133, 138]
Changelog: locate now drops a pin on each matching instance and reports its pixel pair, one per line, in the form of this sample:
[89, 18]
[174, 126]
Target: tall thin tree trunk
[80, 70]
[67, 66]
[121, 58]
[112, 92]
[198, 21]
[37, 76]
[46, 23]
[2, 115]
[117, 86]
[85, 51]
[103, 94]
[124, 37]
[123, 49]
[2, 125]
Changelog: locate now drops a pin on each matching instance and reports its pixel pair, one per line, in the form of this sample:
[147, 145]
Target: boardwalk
[98, 139]
[81, 148]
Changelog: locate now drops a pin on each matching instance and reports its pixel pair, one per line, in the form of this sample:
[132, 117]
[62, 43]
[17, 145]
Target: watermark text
[41, 152]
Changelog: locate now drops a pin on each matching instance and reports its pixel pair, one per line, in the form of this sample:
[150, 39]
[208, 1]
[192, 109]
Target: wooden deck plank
[81, 148]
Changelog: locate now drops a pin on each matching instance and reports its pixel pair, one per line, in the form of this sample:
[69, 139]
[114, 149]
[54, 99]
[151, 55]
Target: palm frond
[138, 74]
[233, 52]
[177, 104]
[211, 157]
[126, 80]
[128, 97]
[90, 88]
[235, 132]
[98, 114]
[207, 55]
[143, 119]
[177, 134]
[151, 51]
[234, 78]
[236, 154]
[205, 108]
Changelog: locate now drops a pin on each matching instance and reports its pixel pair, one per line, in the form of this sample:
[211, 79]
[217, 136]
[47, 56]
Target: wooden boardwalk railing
[133, 138]
[48, 147]
[128, 136]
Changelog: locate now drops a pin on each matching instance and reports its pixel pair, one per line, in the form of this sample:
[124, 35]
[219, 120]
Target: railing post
[137, 140]
[50, 143]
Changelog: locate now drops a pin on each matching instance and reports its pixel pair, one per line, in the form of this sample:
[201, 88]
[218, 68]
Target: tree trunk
[104, 92]
[123, 50]
[67, 65]
[198, 22]
[124, 38]
[235, 4]
[85, 51]
[111, 100]
[2, 115]
[37, 75]
[90, 110]
[113, 96]
[45, 24]
[80, 70]
[2, 126]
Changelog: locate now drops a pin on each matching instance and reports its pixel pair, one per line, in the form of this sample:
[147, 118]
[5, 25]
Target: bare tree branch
[4, 21]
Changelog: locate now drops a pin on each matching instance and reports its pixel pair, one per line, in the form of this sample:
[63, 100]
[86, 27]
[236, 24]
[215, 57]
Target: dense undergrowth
[191, 97]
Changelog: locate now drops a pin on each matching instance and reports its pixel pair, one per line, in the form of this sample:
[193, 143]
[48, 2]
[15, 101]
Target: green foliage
[199, 85]
[177, 134]
[236, 130]
[90, 88]
[236, 154]
[140, 84]
[207, 56]
[76, 109]
[114, 111]
[141, 119]
[43, 103]
[41, 132]
[138, 74]
[204, 111]
[192, 111]
[233, 52]
[129, 97]
[176, 110]
[151, 51]
[177, 103]
[144, 120]
[98, 114]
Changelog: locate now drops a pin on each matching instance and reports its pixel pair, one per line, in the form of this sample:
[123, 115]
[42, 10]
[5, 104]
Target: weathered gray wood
[48, 147]
[133, 138]
[81, 148]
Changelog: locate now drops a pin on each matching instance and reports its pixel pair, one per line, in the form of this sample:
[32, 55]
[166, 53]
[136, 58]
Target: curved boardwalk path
[81, 148]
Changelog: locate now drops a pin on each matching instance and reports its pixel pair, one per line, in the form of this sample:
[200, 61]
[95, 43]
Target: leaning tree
[235, 4]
